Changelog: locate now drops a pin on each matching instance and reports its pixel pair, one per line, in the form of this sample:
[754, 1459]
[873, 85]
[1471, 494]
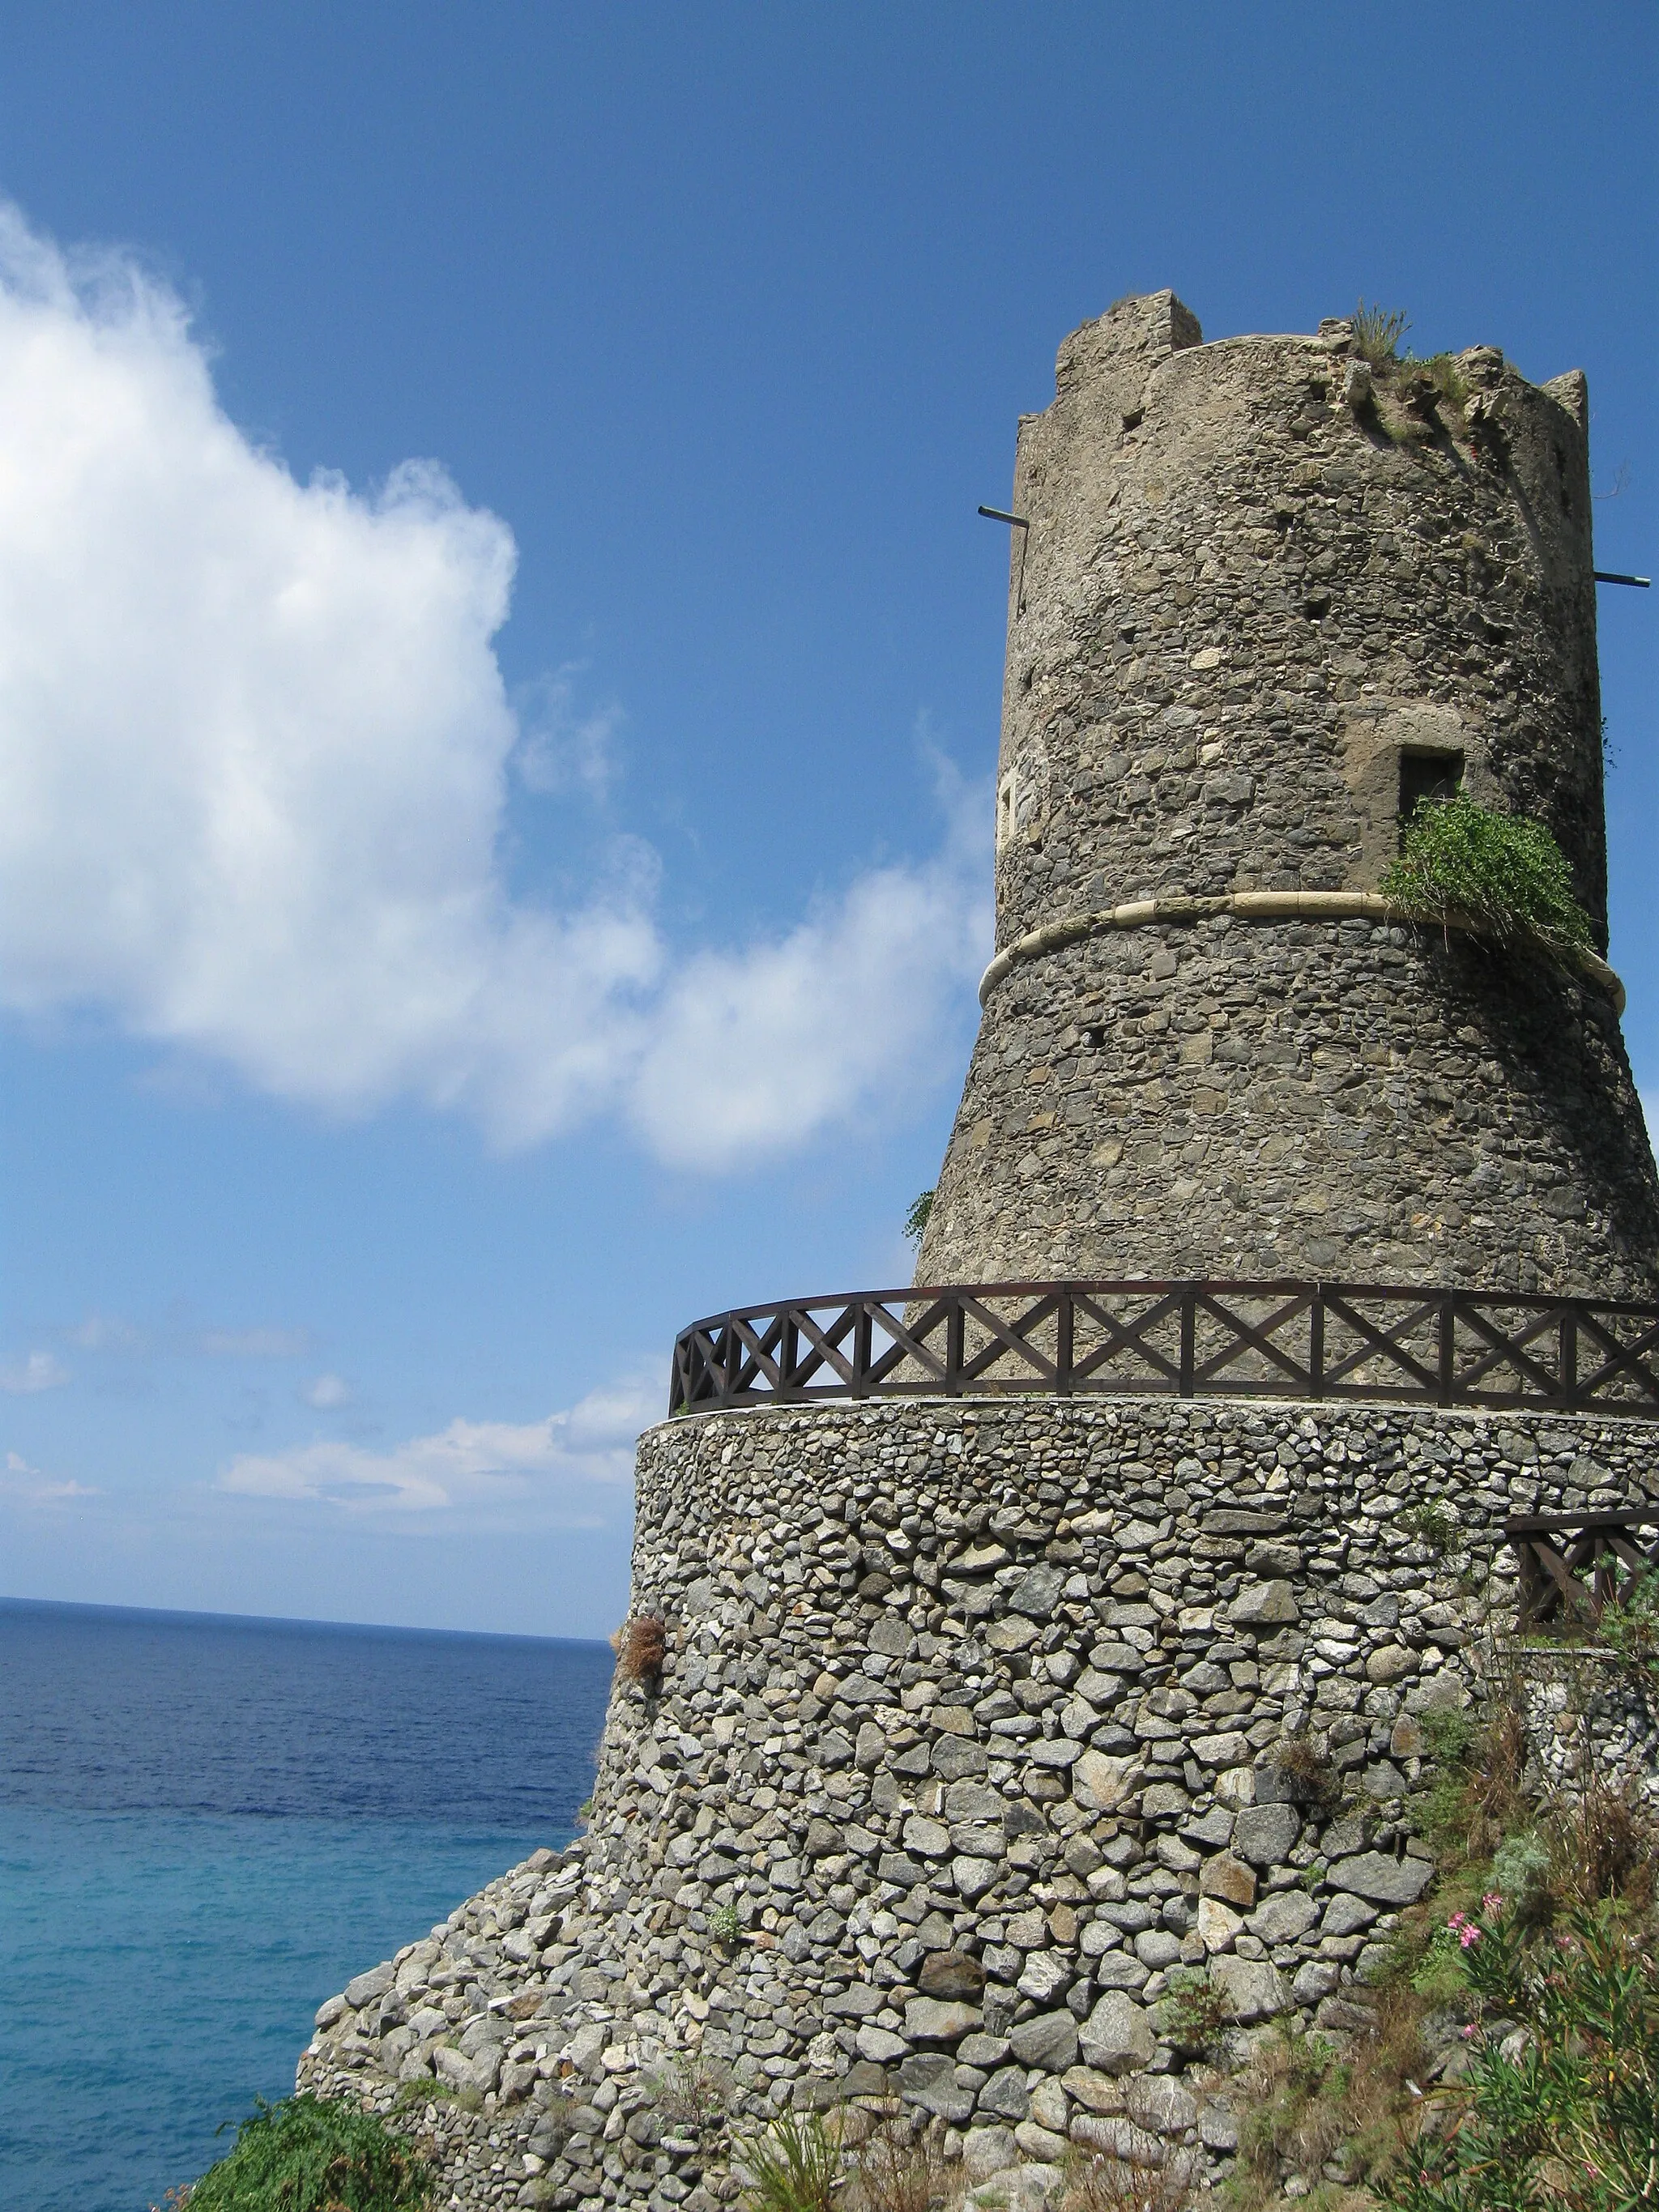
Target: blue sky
[500, 674]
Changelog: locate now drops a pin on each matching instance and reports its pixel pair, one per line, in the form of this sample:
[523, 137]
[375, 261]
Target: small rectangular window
[1427, 775]
[1008, 804]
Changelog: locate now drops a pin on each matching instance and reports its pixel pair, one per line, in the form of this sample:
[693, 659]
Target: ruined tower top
[1265, 600]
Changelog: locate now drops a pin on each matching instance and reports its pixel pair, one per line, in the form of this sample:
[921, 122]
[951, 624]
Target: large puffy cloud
[254, 742]
[527, 1474]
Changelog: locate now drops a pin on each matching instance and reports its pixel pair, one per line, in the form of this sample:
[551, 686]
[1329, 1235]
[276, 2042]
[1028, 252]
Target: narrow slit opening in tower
[1432, 775]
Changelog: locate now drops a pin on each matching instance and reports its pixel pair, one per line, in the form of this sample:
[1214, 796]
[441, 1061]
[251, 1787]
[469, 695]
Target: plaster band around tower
[1258, 608]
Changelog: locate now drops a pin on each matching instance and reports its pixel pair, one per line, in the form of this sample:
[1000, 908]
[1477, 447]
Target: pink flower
[1493, 1901]
[1468, 1934]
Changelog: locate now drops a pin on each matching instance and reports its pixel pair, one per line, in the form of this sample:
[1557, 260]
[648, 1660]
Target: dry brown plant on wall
[897, 2171]
[1095, 2182]
[642, 1645]
[1605, 1840]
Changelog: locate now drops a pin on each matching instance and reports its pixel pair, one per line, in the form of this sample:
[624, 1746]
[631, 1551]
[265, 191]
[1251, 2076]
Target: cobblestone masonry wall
[966, 1739]
[1345, 1099]
[1251, 581]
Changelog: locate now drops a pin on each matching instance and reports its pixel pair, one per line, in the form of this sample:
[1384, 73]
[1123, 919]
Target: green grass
[1377, 332]
[1503, 871]
[793, 2166]
[313, 2153]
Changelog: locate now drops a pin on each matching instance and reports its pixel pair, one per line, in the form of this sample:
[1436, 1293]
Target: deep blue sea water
[207, 1825]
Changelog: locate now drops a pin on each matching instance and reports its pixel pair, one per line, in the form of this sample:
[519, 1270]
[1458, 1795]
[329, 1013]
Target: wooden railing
[1556, 1549]
[1279, 1340]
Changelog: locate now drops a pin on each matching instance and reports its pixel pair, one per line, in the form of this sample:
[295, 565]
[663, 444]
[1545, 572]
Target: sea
[207, 1825]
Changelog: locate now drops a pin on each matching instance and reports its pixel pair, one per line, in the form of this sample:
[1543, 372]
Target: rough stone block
[929, 2080]
[1315, 1980]
[1217, 1925]
[986, 2151]
[1039, 2143]
[1229, 1879]
[1006, 2094]
[1046, 1977]
[1163, 1801]
[973, 1801]
[1214, 1830]
[1265, 1834]
[938, 2020]
[973, 1876]
[1048, 2041]
[1037, 1593]
[932, 1839]
[1108, 1781]
[363, 1989]
[880, 2043]
[1284, 1917]
[1230, 1748]
[1266, 1605]
[1381, 1879]
[1117, 2037]
[1118, 2139]
[1346, 1915]
[951, 1974]
[1250, 1989]
[1164, 2105]
[1120, 1970]
[1217, 2129]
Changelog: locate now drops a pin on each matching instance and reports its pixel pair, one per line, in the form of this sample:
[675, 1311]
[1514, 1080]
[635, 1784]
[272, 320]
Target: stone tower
[1259, 608]
[958, 1715]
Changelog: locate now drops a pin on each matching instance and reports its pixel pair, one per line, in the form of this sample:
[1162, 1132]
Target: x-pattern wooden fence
[1282, 1339]
[1557, 1550]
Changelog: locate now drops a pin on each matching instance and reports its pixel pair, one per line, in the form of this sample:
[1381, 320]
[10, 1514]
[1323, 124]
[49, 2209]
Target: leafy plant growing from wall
[1503, 873]
[1561, 2106]
[312, 2154]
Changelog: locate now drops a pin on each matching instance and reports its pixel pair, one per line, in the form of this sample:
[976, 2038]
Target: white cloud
[529, 1472]
[28, 1485]
[563, 748]
[39, 1371]
[326, 1391]
[255, 746]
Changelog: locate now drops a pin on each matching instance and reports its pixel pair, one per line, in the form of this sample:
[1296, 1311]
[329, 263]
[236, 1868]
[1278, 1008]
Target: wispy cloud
[172, 1339]
[535, 1472]
[107, 1332]
[37, 1371]
[563, 746]
[325, 1391]
[254, 1343]
[256, 752]
[27, 1485]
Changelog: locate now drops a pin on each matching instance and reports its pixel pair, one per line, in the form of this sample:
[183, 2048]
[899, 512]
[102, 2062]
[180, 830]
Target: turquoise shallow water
[206, 1827]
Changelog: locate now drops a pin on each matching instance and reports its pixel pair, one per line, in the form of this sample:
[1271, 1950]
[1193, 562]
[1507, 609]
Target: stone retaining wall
[970, 1736]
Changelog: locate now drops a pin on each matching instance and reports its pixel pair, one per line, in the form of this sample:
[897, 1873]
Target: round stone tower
[1260, 603]
[955, 1708]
